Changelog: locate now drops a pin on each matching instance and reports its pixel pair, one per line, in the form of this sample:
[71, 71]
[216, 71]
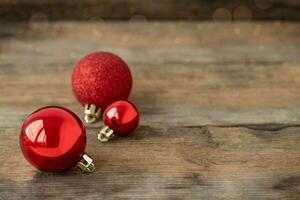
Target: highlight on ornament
[53, 139]
[99, 79]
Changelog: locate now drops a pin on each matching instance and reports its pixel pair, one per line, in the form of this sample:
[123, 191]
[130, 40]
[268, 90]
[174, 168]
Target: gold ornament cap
[105, 134]
[92, 113]
[86, 164]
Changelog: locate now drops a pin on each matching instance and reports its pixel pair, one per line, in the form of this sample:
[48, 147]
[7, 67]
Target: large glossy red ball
[53, 139]
[122, 117]
[101, 78]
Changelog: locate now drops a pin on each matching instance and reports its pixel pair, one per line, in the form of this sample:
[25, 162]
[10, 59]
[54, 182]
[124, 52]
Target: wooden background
[219, 104]
[15, 10]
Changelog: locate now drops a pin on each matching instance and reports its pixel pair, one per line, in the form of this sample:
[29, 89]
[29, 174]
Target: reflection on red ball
[101, 78]
[53, 139]
[122, 117]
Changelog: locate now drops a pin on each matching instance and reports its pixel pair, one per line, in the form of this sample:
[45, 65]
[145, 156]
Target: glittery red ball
[101, 78]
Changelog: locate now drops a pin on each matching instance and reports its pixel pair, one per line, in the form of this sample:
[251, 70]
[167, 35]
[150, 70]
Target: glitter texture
[101, 78]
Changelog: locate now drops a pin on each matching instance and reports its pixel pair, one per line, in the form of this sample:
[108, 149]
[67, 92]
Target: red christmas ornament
[121, 118]
[99, 79]
[53, 139]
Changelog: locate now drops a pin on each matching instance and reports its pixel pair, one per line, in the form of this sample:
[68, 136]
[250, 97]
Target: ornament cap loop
[86, 164]
[92, 113]
[105, 134]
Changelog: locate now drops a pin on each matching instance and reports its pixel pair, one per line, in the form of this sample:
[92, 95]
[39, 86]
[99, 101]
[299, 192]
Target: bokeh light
[222, 14]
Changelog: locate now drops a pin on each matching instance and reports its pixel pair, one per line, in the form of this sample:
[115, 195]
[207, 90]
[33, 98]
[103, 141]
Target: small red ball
[101, 78]
[53, 139]
[122, 117]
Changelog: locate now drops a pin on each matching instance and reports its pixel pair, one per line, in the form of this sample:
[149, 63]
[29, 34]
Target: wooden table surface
[219, 104]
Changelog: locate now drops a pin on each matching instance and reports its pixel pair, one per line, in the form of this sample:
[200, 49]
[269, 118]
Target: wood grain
[184, 73]
[167, 163]
[218, 102]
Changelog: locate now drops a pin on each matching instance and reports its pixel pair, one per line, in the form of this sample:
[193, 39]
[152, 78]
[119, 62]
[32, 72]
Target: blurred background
[213, 46]
[25, 10]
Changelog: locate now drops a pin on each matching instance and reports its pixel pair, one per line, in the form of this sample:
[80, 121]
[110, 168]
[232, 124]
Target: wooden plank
[218, 102]
[150, 9]
[184, 73]
[166, 163]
